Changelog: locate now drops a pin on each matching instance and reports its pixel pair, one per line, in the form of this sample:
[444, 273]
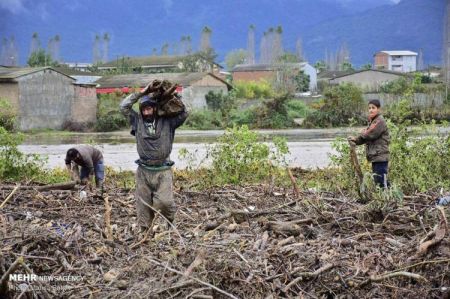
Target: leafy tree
[367, 66]
[288, 58]
[343, 104]
[235, 57]
[320, 65]
[40, 58]
[347, 66]
[302, 81]
[199, 62]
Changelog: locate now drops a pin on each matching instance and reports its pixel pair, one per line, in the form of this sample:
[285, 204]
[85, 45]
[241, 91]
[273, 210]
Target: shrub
[204, 120]
[343, 105]
[416, 163]
[241, 117]
[15, 165]
[297, 109]
[109, 118]
[239, 157]
[253, 90]
[7, 115]
[274, 114]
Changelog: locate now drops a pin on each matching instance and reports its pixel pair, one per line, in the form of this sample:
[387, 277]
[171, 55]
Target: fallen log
[59, 186]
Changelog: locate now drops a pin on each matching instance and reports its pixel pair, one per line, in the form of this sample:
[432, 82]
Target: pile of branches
[233, 242]
[169, 101]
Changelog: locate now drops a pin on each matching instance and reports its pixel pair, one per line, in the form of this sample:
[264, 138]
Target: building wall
[45, 99]
[10, 92]
[381, 61]
[404, 63]
[368, 80]
[194, 96]
[84, 107]
[312, 73]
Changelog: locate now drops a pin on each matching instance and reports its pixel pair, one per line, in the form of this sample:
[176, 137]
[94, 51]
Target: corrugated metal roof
[141, 80]
[400, 53]
[7, 74]
[265, 67]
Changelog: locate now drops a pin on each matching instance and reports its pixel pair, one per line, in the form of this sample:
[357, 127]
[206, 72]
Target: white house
[398, 61]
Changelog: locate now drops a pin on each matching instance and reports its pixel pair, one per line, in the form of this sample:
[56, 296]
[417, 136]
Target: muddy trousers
[153, 188]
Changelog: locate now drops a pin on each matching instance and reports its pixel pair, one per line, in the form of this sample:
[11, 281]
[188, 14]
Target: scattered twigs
[10, 195]
[294, 183]
[308, 275]
[109, 234]
[197, 262]
[439, 234]
[5, 277]
[378, 278]
[63, 261]
[194, 278]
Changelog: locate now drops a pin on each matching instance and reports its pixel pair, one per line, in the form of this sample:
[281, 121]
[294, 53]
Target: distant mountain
[409, 25]
[138, 26]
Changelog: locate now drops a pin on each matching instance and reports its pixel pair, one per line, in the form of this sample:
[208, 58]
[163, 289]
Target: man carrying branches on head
[160, 112]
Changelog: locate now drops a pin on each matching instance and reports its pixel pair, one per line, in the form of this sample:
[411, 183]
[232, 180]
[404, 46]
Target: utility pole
[446, 48]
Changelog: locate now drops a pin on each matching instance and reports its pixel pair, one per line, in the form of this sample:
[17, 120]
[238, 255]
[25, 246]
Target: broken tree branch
[194, 278]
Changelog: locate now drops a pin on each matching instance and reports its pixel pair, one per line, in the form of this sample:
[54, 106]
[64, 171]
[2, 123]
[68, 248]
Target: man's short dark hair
[72, 153]
[375, 102]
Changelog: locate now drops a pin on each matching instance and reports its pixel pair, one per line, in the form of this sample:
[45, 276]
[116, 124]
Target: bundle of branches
[169, 101]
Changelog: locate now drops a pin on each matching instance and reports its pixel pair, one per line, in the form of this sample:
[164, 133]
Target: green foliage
[288, 57]
[204, 120]
[219, 101]
[297, 109]
[109, 117]
[235, 57]
[15, 165]
[301, 81]
[320, 66]
[419, 163]
[274, 114]
[40, 58]
[405, 85]
[367, 66]
[343, 105]
[416, 163]
[241, 117]
[202, 61]
[253, 90]
[7, 115]
[239, 157]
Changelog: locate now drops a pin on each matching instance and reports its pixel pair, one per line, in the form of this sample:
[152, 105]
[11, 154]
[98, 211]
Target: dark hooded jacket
[376, 138]
[154, 143]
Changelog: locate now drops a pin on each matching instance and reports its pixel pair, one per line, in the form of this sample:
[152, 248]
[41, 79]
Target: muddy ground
[233, 242]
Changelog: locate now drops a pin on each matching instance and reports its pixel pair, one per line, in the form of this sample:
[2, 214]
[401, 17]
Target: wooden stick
[109, 234]
[303, 275]
[197, 262]
[439, 235]
[5, 277]
[10, 195]
[60, 186]
[294, 183]
[194, 278]
[355, 162]
[63, 261]
[391, 275]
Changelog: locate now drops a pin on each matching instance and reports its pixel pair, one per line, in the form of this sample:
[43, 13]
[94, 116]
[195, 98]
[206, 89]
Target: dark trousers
[380, 172]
